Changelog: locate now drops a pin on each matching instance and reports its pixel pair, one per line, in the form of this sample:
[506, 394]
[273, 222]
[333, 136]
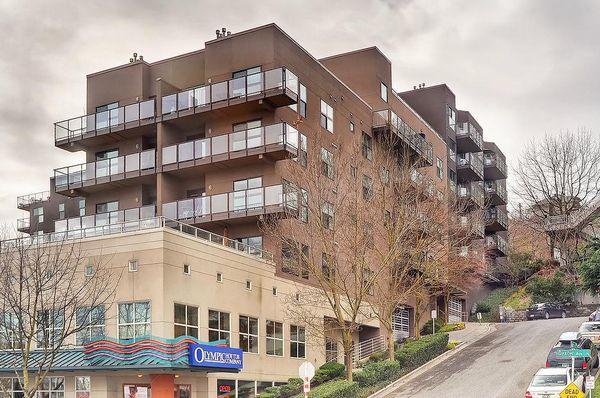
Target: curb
[440, 358]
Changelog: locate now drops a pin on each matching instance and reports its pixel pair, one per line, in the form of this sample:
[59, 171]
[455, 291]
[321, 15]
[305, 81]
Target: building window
[187, 269]
[297, 342]
[89, 270]
[248, 285]
[246, 195]
[39, 213]
[367, 146]
[82, 387]
[302, 158]
[183, 391]
[368, 235]
[185, 320]
[107, 207]
[367, 280]
[275, 291]
[9, 331]
[274, 338]
[81, 207]
[105, 155]
[440, 168]
[385, 175]
[327, 215]
[50, 326]
[383, 92]
[226, 388]
[302, 100]
[351, 127]
[451, 118]
[252, 244]
[326, 163]
[326, 116]
[219, 327]
[132, 266]
[93, 322]
[303, 210]
[134, 320]
[219, 277]
[353, 171]
[295, 258]
[248, 334]
[331, 350]
[367, 187]
[61, 211]
[327, 266]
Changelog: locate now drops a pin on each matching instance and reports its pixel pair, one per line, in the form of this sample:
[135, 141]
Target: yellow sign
[572, 391]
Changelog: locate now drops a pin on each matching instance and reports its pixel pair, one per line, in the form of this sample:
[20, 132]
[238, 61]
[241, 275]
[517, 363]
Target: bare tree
[557, 176]
[51, 297]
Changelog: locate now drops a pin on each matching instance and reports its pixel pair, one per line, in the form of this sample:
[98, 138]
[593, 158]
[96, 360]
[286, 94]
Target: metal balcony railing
[471, 190]
[491, 159]
[117, 119]
[138, 225]
[232, 203]
[23, 223]
[275, 134]
[467, 130]
[496, 242]
[388, 118]
[101, 171]
[493, 187]
[472, 160]
[103, 219]
[494, 214]
[197, 99]
[27, 200]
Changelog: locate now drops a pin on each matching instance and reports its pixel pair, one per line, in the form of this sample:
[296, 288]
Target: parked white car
[549, 382]
[591, 330]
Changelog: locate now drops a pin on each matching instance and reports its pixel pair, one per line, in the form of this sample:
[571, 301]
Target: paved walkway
[472, 331]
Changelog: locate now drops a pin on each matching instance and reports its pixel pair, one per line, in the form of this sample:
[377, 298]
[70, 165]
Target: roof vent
[135, 58]
[222, 33]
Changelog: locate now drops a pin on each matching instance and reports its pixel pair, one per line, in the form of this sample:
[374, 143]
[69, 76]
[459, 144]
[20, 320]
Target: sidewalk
[473, 331]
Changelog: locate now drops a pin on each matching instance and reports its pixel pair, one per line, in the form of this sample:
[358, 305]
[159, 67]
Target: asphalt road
[500, 365]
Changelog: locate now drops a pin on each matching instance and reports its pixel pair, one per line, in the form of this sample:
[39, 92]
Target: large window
[274, 338]
[92, 320]
[303, 209]
[451, 118]
[327, 266]
[295, 258]
[367, 146]
[383, 92]
[81, 207]
[38, 213]
[302, 158]
[302, 101]
[327, 215]
[53, 387]
[9, 331]
[326, 116]
[219, 327]
[367, 187]
[50, 326]
[247, 193]
[297, 342]
[61, 211]
[107, 207]
[185, 320]
[249, 334]
[226, 388]
[82, 388]
[326, 163]
[134, 320]
[331, 350]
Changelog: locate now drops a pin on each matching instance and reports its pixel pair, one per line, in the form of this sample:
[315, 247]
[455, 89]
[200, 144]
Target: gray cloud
[522, 67]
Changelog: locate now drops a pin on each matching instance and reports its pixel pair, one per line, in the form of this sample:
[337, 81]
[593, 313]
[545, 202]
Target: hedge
[335, 389]
[451, 327]
[415, 353]
[375, 372]
[326, 372]
[428, 327]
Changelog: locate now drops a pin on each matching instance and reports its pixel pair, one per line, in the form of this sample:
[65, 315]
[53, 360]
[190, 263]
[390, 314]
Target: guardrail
[27, 200]
[366, 348]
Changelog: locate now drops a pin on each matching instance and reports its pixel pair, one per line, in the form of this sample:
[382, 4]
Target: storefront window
[261, 386]
[136, 391]
[82, 387]
[182, 391]
[246, 389]
[225, 388]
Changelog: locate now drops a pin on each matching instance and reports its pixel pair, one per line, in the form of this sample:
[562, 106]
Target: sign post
[590, 383]
[306, 371]
[433, 318]
[572, 391]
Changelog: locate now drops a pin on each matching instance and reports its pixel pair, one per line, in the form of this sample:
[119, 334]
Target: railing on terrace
[197, 99]
[574, 219]
[497, 242]
[471, 159]
[117, 119]
[232, 202]
[23, 223]
[495, 214]
[138, 225]
[26, 200]
[422, 180]
[275, 134]
[476, 226]
[388, 118]
[472, 190]
[491, 159]
[366, 348]
[91, 173]
[102, 219]
[468, 130]
[493, 186]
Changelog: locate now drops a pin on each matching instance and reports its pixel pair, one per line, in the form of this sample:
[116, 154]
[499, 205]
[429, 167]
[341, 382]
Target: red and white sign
[306, 371]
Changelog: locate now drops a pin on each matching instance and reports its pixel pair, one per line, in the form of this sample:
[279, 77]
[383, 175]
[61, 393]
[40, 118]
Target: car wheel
[564, 314]
[547, 315]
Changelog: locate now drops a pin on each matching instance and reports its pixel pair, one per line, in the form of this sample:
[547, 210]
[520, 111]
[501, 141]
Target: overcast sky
[523, 68]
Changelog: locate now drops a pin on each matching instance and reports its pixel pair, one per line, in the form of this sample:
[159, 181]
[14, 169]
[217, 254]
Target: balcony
[422, 182]
[472, 226]
[235, 206]
[277, 87]
[497, 245]
[469, 166]
[24, 202]
[151, 224]
[102, 127]
[101, 220]
[386, 121]
[468, 139]
[495, 193]
[277, 141]
[24, 225]
[89, 177]
[496, 220]
[495, 166]
[471, 194]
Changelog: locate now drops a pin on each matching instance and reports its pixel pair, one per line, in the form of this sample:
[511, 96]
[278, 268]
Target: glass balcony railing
[494, 214]
[494, 188]
[496, 242]
[422, 181]
[85, 174]
[149, 224]
[116, 119]
[23, 223]
[491, 160]
[232, 203]
[103, 219]
[242, 88]
[471, 190]
[388, 118]
[275, 134]
[27, 200]
[473, 160]
[467, 130]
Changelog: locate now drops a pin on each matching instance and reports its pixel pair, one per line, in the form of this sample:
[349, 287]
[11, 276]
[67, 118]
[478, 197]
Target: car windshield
[549, 380]
[589, 327]
[566, 343]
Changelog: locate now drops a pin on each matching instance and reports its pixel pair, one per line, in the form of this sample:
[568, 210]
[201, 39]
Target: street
[500, 364]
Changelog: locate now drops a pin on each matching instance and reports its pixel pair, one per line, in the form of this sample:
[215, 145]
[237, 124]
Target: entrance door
[455, 310]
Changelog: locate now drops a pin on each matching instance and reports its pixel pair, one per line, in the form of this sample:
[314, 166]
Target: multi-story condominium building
[197, 142]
